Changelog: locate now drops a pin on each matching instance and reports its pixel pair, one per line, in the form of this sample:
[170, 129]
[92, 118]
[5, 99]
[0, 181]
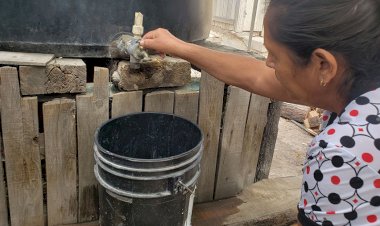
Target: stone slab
[167, 72]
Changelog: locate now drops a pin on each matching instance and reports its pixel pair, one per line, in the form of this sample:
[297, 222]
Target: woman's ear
[326, 64]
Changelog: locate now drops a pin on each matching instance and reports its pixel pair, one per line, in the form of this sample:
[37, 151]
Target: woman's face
[316, 83]
[301, 81]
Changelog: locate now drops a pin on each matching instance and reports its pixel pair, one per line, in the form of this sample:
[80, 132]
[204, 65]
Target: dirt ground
[290, 150]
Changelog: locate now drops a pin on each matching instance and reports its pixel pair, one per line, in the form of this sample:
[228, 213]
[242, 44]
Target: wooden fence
[48, 143]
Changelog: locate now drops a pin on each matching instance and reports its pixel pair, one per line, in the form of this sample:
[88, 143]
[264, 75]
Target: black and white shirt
[341, 174]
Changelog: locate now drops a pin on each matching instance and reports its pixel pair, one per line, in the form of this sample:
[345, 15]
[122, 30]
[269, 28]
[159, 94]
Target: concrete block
[167, 72]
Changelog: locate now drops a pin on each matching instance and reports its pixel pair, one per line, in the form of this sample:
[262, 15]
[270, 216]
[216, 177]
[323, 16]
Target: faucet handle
[138, 28]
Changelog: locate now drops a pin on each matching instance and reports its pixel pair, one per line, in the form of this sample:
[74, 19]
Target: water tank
[85, 28]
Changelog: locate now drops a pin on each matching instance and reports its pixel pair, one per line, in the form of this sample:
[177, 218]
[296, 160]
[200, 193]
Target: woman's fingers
[160, 40]
[147, 43]
[150, 40]
[150, 35]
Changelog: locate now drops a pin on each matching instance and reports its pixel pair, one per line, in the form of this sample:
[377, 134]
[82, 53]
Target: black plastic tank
[85, 28]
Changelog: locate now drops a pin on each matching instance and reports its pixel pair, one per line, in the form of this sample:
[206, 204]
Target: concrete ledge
[268, 202]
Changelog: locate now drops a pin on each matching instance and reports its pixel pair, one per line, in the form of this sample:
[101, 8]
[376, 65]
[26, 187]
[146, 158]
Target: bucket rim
[100, 148]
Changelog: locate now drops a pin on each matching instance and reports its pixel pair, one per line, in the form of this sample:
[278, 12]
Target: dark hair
[350, 28]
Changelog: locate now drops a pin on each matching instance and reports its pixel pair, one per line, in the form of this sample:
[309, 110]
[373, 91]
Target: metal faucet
[137, 53]
[127, 45]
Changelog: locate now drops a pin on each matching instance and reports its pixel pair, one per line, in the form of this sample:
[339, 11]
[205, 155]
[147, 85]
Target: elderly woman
[322, 53]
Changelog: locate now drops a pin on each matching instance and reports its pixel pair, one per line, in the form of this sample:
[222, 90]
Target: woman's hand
[162, 41]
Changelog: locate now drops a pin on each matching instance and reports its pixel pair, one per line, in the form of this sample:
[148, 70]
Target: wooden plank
[253, 135]
[32, 80]
[87, 183]
[18, 58]
[229, 180]
[210, 114]
[186, 104]
[23, 166]
[126, 102]
[101, 84]
[3, 197]
[268, 142]
[93, 223]
[60, 155]
[92, 110]
[65, 75]
[294, 112]
[159, 101]
[59, 76]
[312, 120]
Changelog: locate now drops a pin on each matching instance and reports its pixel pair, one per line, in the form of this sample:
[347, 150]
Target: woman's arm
[241, 71]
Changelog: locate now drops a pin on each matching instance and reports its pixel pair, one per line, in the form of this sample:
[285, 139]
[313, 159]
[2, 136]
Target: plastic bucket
[147, 165]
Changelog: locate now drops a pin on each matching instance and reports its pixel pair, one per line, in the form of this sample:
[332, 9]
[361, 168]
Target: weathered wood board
[32, 80]
[253, 135]
[92, 111]
[19, 119]
[268, 142]
[3, 197]
[186, 104]
[66, 75]
[18, 58]
[229, 180]
[294, 112]
[126, 102]
[159, 101]
[61, 161]
[209, 119]
[58, 76]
